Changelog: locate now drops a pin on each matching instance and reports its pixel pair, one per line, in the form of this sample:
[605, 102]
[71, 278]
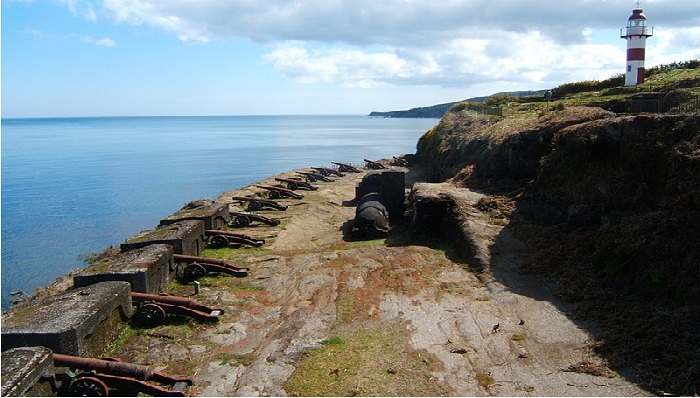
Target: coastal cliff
[607, 206]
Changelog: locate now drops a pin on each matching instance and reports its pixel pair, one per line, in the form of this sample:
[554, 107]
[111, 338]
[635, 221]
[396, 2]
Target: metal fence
[657, 104]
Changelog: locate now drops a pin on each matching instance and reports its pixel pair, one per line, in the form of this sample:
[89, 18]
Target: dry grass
[587, 367]
[485, 379]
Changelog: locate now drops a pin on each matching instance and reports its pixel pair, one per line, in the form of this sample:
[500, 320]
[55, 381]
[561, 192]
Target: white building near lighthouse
[636, 34]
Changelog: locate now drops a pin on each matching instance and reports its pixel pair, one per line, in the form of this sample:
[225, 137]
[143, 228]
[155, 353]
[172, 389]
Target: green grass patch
[213, 281]
[374, 361]
[314, 198]
[332, 340]
[372, 242]
[126, 335]
[243, 359]
[232, 252]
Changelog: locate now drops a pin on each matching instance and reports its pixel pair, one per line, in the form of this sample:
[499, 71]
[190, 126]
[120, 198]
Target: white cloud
[366, 43]
[38, 33]
[388, 22]
[104, 42]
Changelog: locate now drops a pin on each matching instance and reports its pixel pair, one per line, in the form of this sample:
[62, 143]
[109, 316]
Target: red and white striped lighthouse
[636, 34]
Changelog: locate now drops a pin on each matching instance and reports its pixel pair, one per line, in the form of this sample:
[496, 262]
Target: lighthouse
[636, 34]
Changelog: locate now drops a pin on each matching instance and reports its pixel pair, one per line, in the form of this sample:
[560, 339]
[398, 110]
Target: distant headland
[437, 111]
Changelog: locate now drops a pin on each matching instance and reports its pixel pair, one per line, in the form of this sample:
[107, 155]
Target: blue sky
[251, 57]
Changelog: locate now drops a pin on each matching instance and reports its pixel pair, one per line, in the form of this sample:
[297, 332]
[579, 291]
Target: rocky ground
[323, 314]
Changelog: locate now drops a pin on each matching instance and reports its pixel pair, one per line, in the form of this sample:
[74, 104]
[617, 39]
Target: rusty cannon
[346, 168]
[279, 192]
[327, 171]
[152, 309]
[313, 177]
[218, 238]
[98, 376]
[371, 164]
[241, 219]
[255, 204]
[400, 161]
[199, 266]
[294, 184]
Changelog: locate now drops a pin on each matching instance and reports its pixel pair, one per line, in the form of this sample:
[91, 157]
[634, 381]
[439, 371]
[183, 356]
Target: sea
[71, 187]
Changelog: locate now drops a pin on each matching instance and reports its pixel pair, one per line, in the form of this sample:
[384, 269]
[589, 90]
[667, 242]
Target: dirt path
[405, 319]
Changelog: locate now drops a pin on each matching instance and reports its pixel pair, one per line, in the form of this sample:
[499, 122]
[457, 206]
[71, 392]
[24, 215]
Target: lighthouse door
[640, 75]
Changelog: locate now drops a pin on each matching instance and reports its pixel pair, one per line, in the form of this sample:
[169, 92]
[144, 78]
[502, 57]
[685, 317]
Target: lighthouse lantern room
[636, 34]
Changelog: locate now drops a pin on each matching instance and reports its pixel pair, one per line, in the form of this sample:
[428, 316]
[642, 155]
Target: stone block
[148, 269]
[214, 215]
[26, 372]
[79, 322]
[186, 237]
[393, 192]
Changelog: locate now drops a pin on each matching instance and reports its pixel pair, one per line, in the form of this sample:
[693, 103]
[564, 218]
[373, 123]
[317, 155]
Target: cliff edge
[607, 207]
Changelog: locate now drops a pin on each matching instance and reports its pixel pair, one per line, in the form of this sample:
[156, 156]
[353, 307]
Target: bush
[590, 85]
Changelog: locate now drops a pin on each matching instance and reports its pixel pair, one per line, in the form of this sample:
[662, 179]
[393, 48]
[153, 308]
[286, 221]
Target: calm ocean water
[73, 186]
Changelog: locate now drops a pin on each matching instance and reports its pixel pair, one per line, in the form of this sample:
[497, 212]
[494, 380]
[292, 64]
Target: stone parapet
[214, 215]
[26, 372]
[148, 269]
[186, 237]
[79, 322]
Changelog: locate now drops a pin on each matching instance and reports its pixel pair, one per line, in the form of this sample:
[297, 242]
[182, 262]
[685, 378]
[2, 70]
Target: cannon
[346, 168]
[400, 161]
[199, 266]
[295, 184]
[218, 238]
[98, 376]
[371, 164]
[240, 219]
[152, 308]
[279, 192]
[371, 217]
[326, 171]
[255, 204]
[313, 177]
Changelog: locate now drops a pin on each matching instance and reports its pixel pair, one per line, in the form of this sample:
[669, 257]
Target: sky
[65, 58]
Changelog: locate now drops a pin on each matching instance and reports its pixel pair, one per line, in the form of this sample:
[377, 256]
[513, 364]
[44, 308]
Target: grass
[126, 335]
[217, 282]
[485, 379]
[371, 361]
[518, 337]
[232, 252]
[242, 359]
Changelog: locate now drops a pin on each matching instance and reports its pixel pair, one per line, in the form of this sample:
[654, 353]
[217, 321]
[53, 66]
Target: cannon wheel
[241, 221]
[324, 173]
[274, 195]
[88, 387]
[149, 314]
[254, 205]
[310, 178]
[194, 271]
[292, 185]
[218, 241]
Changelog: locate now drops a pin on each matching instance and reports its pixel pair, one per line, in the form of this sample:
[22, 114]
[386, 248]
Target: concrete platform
[214, 215]
[26, 372]
[186, 237]
[148, 269]
[80, 322]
